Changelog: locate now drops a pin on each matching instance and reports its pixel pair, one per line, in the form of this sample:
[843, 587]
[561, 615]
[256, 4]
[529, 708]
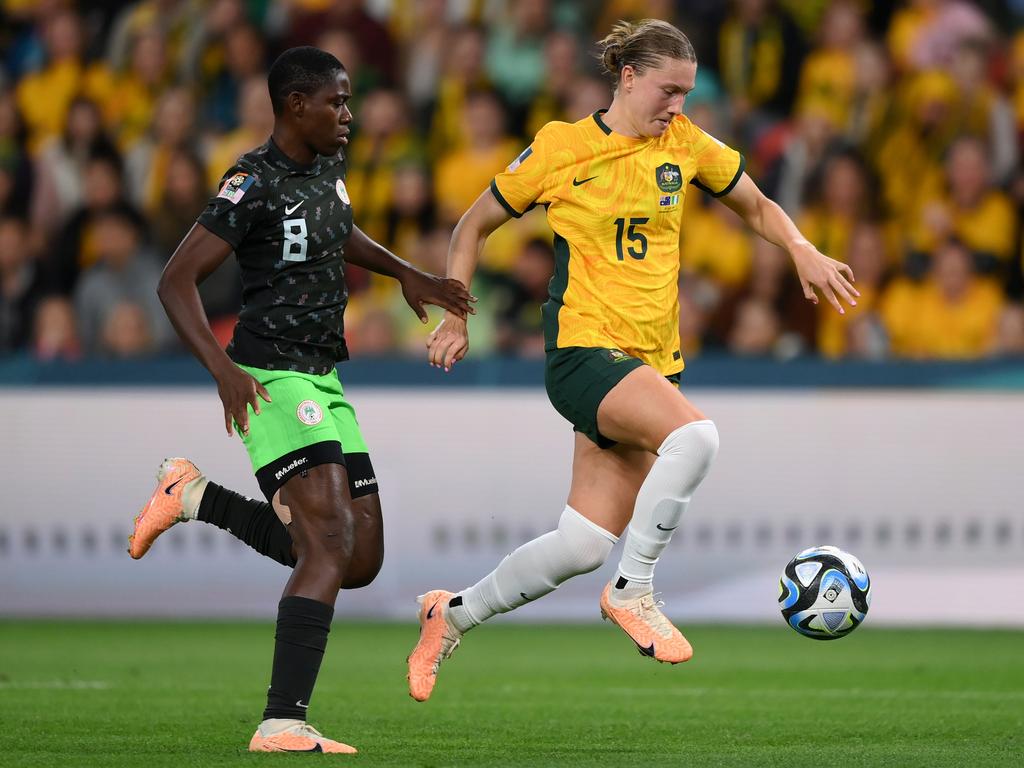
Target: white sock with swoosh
[536, 568]
[683, 461]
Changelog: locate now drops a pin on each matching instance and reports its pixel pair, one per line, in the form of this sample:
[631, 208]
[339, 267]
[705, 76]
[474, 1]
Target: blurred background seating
[890, 132]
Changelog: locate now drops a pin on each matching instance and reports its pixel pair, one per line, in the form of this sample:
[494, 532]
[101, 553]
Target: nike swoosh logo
[168, 489]
[300, 704]
[576, 182]
[658, 526]
[289, 211]
[317, 748]
[523, 595]
[648, 651]
[430, 613]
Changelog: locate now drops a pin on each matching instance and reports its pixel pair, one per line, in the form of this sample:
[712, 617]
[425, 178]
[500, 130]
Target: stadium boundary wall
[924, 486]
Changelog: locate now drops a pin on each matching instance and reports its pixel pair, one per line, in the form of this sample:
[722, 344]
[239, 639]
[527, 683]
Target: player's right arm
[198, 255]
[449, 342]
[512, 193]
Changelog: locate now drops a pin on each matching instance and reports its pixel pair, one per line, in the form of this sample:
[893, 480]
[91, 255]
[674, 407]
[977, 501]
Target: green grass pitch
[189, 694]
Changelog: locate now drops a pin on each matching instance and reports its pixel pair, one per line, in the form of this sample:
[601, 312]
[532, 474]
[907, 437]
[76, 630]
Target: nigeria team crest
[669, 177]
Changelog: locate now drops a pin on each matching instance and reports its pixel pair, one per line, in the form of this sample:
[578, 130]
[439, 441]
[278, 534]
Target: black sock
[302, 627]
[254, 522]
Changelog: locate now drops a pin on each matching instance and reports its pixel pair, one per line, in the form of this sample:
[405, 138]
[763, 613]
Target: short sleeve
[231, 213]
[719, 167]
[521, 185]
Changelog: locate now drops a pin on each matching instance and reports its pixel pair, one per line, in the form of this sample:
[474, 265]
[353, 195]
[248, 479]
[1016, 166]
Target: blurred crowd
[891, 132]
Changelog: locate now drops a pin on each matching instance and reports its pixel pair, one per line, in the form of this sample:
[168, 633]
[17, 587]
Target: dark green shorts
[577, 380]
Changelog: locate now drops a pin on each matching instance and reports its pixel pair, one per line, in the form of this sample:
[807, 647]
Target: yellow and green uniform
[615, 206]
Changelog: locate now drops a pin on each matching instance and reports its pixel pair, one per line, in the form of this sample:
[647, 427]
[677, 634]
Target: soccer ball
[824, 593]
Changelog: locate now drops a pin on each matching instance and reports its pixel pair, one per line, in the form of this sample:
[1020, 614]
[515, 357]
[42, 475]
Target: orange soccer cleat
[641, 618]
[166, 506]
[301, 737]
[438, 641]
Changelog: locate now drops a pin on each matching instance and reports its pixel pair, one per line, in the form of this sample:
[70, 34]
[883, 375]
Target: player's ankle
[457, 616]
[275, 725]
[191, 497]
[624, 588]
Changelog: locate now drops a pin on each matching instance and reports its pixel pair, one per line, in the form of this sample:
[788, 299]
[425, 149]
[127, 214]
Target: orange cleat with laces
[641, 618]
[166, 506]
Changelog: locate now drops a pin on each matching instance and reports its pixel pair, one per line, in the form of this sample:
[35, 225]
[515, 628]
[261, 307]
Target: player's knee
[362, 572]
[697, 442]
[326, 532]
[587, 545]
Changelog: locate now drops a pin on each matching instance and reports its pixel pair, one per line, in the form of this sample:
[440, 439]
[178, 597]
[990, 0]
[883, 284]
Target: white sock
[535, 569]
[191, 496]
[276, 725]
[683, 460]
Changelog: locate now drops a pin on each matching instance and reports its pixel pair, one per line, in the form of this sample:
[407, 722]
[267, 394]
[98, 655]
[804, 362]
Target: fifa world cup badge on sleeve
[519, 160]
[234, 189]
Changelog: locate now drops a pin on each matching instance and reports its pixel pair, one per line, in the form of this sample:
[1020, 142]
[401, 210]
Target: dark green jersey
[288, 224]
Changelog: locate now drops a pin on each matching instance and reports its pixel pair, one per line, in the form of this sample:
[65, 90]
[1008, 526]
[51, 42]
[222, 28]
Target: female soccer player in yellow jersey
[613, 185]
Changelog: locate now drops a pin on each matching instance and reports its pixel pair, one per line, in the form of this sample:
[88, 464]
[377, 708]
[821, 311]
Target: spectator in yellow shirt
[854, 333]
[385, 142]
[173, 127]
[128, 98]
[952, 315]
[873, 108]
[982, 110]
[461, 174]
[715, 243]
[43, 97]
[463, 72]
[257, 117]
[910, 158]
[838, 205]
[970, 209]
[828, 76]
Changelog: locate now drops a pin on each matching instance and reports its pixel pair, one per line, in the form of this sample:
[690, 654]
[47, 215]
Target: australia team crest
[670, 178]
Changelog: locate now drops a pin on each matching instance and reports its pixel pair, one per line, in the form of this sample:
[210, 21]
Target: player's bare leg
[368, 550]
[253, 522]
[320, 508]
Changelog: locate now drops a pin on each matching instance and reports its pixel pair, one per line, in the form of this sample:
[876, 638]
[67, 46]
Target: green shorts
[307, 423]
[577, 380]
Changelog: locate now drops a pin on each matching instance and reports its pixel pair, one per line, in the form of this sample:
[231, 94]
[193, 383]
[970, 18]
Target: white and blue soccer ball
[824, 593]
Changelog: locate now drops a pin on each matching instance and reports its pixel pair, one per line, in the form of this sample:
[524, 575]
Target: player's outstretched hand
[238, 390]
[449, 342]
[816, 270]
[421, 288]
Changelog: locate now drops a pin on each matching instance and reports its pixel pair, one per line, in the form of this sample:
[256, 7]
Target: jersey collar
[607, 131]
[282, 159]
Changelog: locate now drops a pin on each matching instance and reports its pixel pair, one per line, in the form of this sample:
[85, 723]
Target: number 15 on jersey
[628, 227]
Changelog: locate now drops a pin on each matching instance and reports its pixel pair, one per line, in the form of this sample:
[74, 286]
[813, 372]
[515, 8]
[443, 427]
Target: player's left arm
[815, 269]
[418, 287]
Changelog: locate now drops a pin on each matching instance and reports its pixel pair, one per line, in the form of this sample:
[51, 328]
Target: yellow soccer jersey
[615, 205]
